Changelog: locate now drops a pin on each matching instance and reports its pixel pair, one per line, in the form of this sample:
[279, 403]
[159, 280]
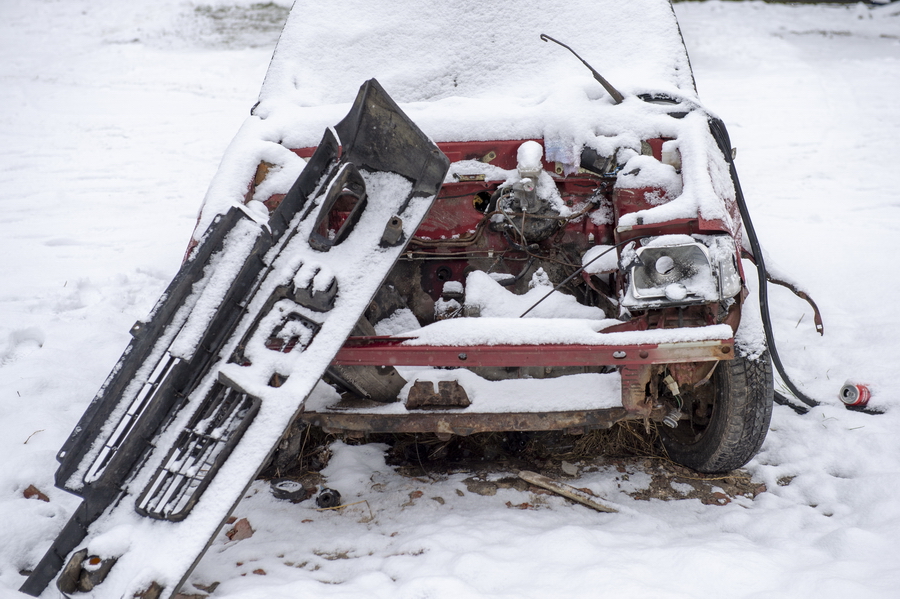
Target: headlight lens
[724, 257]
[680, 270]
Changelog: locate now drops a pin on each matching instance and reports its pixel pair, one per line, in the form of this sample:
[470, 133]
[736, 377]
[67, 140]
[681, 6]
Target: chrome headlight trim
[724, 258]
[684, 271]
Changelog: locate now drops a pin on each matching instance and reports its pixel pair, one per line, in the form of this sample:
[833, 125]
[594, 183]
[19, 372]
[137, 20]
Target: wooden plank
[567, 491]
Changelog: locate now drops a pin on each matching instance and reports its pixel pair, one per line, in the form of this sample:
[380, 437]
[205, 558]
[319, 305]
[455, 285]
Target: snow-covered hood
[471, 69]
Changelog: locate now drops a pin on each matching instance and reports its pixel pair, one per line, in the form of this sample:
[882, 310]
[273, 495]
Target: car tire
[726, 420]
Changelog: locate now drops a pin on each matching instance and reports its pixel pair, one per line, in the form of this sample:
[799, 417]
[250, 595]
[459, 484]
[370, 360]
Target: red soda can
[855, 394]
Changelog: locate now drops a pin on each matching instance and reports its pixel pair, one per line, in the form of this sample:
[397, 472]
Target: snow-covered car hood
[470, 69]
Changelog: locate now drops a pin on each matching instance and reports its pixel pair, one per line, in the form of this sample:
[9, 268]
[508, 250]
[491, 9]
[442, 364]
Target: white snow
[544, 331]
[529, 156]
[567, 393]
[647, 171]
[470, 70]
[487, 297]
[600, 259]
[115, 117]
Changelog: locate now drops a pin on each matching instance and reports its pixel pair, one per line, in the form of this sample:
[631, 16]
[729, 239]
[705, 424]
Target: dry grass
[626, 439]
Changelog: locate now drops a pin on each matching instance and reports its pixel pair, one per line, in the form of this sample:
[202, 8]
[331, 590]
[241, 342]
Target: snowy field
[113, 118]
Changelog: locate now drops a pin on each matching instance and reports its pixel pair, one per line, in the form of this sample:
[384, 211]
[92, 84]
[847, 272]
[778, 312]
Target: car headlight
[681, 270]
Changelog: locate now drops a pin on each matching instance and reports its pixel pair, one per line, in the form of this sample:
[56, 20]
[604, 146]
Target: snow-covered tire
[726, 420]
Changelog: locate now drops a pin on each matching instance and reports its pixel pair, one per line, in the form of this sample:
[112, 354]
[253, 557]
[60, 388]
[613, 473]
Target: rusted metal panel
[467, 423]
[634, 389]
[390, 351]
[450, 394]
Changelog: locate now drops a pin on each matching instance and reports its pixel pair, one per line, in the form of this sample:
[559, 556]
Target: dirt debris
[479, 485]
[490, 459]
[669, 481]
[240, 531]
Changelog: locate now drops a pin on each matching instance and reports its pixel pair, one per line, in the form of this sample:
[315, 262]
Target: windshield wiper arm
[616, 95]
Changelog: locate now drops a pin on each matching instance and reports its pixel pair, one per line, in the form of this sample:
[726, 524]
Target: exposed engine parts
[527, 210]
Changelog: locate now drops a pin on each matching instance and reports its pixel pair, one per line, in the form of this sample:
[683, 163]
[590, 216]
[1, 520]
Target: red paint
[390, 351]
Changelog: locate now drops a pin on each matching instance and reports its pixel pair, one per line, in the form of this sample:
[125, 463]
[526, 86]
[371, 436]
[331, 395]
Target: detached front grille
[201, 449]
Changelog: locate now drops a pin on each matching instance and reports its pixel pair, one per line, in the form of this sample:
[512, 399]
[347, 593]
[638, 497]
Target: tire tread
[740, 420]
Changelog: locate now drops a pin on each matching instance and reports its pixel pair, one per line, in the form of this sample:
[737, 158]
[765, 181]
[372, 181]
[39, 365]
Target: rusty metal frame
[634, 362]
[467, 423]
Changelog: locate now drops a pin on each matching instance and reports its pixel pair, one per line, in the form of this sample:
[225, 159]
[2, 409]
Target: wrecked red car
[492, 236]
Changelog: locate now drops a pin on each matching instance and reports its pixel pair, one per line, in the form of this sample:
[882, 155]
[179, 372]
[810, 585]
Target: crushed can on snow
[855, 395]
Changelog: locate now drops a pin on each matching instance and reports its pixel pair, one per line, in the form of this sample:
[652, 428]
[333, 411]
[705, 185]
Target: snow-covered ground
[113, 117]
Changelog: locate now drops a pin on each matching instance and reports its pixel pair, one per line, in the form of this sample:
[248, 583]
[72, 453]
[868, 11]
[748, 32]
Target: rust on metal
[635, 399]
[450, 394]
[468, 423]
[688, 374]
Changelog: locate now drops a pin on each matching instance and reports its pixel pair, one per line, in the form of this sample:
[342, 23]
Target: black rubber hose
[717, 127]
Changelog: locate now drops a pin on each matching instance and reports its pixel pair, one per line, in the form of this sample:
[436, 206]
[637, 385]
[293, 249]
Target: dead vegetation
[628, 447]
[540, 450]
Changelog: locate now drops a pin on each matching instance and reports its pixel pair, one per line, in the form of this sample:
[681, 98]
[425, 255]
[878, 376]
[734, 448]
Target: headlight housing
[678, 270]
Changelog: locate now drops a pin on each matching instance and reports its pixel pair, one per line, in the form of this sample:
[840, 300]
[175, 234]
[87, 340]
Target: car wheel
[724, 421]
